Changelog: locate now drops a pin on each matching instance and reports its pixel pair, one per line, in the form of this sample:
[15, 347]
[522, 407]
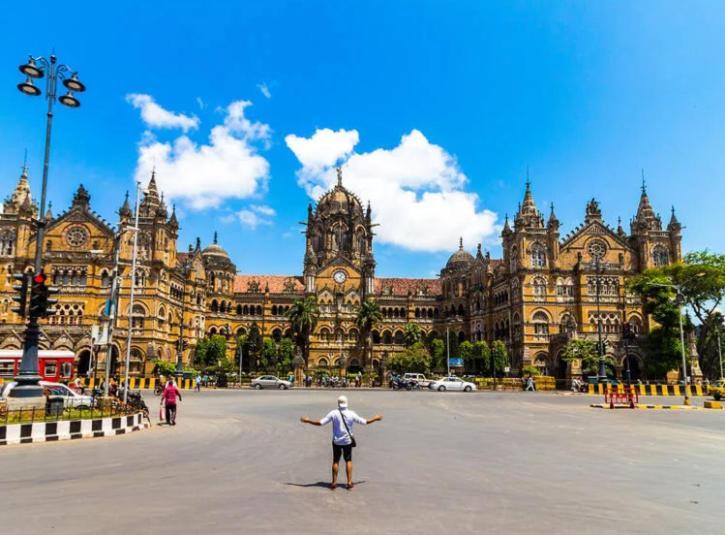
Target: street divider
[148, 383]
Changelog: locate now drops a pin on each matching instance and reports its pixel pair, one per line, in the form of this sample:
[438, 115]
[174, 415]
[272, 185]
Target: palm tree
[303, 315]
[368, 314]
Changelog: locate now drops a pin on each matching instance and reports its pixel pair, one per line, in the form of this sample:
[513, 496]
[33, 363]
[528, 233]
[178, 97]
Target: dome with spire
[339, 200]
[461, 259]
[215, 249]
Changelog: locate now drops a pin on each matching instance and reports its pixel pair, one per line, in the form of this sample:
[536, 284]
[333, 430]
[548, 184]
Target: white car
[71, 399]
[452, 383]
[270, 381]
[418, 378]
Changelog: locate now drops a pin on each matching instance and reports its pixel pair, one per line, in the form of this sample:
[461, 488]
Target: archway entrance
[83, 363]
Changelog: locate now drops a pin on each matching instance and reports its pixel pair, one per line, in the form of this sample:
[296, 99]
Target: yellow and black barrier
[148, 383]
[647, 390]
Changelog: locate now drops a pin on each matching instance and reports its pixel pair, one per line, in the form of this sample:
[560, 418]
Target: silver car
[452, 383]
[270, 381]
[71, 399]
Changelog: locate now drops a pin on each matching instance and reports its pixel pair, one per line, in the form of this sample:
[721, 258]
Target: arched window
[660, 256]
[513, 259]
[7, 243]
[538, 256]
[162, 317]
[137, 317]
[541, 324]
[214, 306]
[322, 363]
[539, 288]
[277, 335]
[399, 338]
[376, 337]
[387, 338]
[325, 334]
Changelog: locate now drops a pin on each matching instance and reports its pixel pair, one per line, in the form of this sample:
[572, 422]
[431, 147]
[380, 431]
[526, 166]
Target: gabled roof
[585, 229]
[401, 287]
[278, 284]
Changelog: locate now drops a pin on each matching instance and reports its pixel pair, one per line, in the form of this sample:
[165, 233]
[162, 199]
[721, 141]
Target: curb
[71, 429]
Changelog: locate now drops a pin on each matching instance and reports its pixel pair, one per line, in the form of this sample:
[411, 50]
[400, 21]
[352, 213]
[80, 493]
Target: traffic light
[41, 304]
[21, 286]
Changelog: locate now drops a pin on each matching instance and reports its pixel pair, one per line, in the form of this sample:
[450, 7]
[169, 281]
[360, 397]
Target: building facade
[542, 293]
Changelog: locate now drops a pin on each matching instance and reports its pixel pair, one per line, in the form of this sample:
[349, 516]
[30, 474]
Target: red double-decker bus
[53, 365]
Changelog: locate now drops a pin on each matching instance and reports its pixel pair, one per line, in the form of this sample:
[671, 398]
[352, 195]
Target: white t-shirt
[339, 433]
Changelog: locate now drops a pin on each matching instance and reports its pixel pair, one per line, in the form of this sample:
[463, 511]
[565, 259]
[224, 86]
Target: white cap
[342, 402]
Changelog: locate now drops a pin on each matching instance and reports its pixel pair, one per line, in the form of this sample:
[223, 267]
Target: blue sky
[434, 109]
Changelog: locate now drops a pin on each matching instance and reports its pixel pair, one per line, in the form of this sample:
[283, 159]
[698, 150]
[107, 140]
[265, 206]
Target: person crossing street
[168, 400]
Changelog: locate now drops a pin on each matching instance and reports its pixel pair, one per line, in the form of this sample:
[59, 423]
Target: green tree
[465, 351]
[481, 356]
[438, 355]
[701, 279]
[254, 346]
[268, 355]
[285, 355]
[303, 315]
[586, 352]
[414, 359]
[499, 356]
[368, 315]
[210, 350]
[412, 334]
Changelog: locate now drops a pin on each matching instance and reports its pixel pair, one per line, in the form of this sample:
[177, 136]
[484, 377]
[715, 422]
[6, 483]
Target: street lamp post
[598, 270]
[35, 69]
[180, 344]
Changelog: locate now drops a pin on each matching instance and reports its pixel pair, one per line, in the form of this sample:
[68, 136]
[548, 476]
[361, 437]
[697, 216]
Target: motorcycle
[398, 383]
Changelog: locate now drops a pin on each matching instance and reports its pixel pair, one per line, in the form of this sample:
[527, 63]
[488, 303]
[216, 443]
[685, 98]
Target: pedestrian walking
[530, 384]
[168, 400]
[343, 439]
[358, 379]
[198, 383]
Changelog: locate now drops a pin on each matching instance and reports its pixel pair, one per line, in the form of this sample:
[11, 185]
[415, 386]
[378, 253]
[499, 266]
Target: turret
[552, 234]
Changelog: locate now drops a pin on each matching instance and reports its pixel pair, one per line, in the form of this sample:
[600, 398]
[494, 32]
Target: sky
[435, 111]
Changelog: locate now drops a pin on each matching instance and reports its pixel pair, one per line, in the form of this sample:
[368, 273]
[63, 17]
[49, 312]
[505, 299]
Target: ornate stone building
[538, 296]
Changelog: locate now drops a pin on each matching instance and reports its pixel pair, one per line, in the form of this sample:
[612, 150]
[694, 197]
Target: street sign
[456, 362]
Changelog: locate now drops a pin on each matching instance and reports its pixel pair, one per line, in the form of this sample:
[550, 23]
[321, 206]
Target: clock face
[339, 277]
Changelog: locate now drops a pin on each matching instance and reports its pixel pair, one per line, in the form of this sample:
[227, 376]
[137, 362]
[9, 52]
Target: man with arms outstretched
[342, 436]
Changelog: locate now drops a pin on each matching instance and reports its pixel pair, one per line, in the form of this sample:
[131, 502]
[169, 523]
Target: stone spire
[553, 223]
[339, 177]
[620, 229]
[20, 194]
[506, 227]
[593, 212]
[125, 210]
[646, 219]
[82, 198]
[528, 215]
[49, 213]
[216, 238]
[151, 199]
[173, 222]
[198, 244]
[674, 224]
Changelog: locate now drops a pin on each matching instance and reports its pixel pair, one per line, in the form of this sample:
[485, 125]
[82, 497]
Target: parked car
[71, 399]
[417, 378]
[452, 383]
[270, 381]
[717, 389]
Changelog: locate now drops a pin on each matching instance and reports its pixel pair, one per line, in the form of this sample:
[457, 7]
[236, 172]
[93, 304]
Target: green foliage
[438, 354]
[586, 352]
[701, 279]
[412, 334]
[210, 350]
[285, 354]
[414, 359]
[303, 315]
[531, 370]
[368, 315]
[481, 358]
[165, 368]
[499, 356]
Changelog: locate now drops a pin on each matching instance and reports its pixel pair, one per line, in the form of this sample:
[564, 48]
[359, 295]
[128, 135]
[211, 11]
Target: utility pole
[111, 311]
[131, 296]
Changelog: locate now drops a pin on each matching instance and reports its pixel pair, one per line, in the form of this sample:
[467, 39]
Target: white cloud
[157, 117]
[256, 215]
[204, 175]
[416, 189]
[201, 103]
[264, 89]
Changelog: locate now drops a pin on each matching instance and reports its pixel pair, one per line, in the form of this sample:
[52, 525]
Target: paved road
[438, 463]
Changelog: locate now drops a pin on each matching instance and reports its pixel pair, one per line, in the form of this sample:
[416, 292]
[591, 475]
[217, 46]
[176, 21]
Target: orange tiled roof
[277, 283]
[405, 286]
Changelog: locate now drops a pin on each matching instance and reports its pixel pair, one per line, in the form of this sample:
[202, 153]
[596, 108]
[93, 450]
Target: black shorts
[345, 451]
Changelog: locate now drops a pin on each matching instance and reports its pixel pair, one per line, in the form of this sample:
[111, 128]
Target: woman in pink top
[168, 399]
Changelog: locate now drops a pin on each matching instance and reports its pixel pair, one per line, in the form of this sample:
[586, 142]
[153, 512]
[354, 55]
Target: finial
[673, 210]
[460, 243]
[198, 243]
[215, 237]
[528, 182]
[552, 208]
[339, 177]
[644, 184]
[25, 163]
[478, 248]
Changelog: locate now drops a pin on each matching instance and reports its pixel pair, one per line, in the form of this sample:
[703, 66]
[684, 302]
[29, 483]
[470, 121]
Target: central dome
[339, 199]
[460, 259]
